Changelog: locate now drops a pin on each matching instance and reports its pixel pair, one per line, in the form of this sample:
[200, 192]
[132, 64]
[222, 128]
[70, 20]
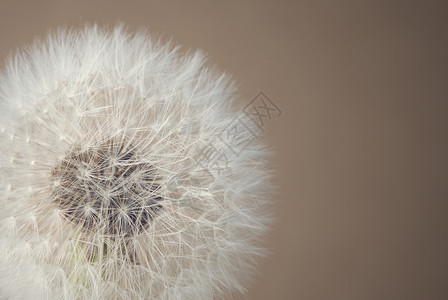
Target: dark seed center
[108, 188]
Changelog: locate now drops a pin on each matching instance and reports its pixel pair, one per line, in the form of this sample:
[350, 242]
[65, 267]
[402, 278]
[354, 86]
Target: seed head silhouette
[119, 177]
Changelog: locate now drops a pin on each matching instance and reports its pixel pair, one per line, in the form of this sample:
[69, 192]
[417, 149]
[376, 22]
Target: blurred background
[361, 143]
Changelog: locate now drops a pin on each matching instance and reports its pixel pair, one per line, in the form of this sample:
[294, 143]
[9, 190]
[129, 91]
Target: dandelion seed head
[104, 189]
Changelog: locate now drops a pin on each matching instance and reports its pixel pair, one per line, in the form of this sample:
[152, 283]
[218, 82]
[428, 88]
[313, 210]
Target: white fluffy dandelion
[113, 183]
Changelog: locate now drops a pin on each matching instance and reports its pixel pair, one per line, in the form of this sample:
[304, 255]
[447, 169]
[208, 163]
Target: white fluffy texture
[85, 106]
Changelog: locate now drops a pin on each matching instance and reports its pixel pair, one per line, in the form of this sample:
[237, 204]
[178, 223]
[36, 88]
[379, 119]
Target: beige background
[360, 147]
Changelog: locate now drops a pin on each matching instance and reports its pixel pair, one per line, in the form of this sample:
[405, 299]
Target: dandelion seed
[101, 192]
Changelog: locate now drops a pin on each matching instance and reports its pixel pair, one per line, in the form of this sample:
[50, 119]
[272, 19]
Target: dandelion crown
[104, 189]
